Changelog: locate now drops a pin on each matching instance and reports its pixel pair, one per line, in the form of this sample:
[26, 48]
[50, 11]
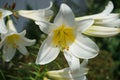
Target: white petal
[46, 27]
[110, 23]
[27, 42]
[5, 13]
[112, 16]
[47, 52]
[101, 34]
[107, 19]
[108, 8]
[65, 16]
[50, 6]
[84, 63]
[65, 74]
[73, 61]
[84, 24]
[115, 23]
[22, 49]
[3, 36]
[2, 43]
[23, 33]
[11, 26]
[8, 52]
[2, 26]
[74, 64]
[84, 48]
[38, 15]
[83, 78]
[104, 29]
[100, 17]
[48, 15]
[100, 31]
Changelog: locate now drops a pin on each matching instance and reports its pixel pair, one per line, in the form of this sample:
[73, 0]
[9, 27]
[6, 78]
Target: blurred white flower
[13, 40]
[104, 23]
[3, 14]
[37, 15]
[66, 74]
[64, 35]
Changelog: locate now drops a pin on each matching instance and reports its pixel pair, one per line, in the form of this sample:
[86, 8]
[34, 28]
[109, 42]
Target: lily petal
[27, 42]
[46, 27]
[22, 49]
[2, 43]
[8, 52]
[109, 23]
[65, 16]
[38, 15]
[65, 74]
[23, 33]
[115, 23]
[5, 13]
[100, 31]
[47, 52]
[84, 47]
[84, 24]
[107, 18]
[75, 67]
[73, 61]
[108, 8]
[84, 63]
[11, 26]
[112, 16]
[2, 26]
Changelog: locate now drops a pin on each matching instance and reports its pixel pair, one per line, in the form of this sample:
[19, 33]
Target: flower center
[12, 39]
[63, 36]
[0, 14]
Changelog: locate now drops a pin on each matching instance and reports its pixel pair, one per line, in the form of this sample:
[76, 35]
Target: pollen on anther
[56, 46]
[15, 45]
[67, 48]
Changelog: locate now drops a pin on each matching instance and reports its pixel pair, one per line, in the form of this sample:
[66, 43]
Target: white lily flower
[104, 23]
[3, 14]
[66, 74]
[37, 15]
[64, 35]
[13, 40]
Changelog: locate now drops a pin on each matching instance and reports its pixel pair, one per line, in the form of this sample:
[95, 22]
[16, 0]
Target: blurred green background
[106, 66]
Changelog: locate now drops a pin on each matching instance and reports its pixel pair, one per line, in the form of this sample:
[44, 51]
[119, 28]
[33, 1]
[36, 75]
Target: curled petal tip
[63, 5]
[51, 4]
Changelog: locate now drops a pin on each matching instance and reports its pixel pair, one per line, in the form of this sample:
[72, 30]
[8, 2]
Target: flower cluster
[105, 23]
[66, 34]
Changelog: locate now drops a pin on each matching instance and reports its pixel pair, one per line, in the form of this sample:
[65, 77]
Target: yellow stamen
[0, 14]
[12, 39]
[63, 36]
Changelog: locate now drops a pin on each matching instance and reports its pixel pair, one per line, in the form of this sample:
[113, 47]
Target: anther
[15, 46]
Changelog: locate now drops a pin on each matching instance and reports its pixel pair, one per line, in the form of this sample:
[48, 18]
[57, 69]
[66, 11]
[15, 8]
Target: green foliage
[95, 6]
[101, 67]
